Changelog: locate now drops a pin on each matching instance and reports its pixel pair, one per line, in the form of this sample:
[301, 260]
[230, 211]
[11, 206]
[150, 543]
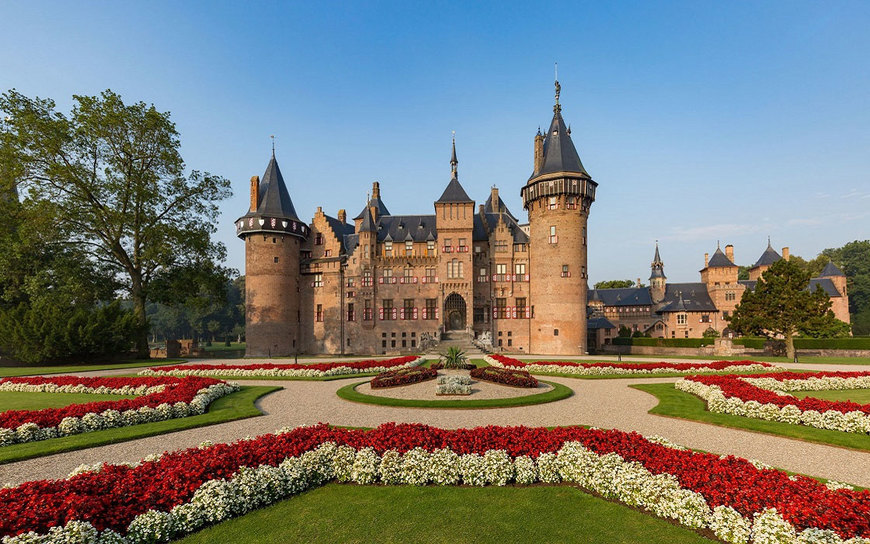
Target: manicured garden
[21, 400]
[10, 371]
[322, 371]
[558, 392]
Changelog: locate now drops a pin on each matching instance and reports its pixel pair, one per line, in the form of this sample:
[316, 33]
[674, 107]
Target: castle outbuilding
[383, 283]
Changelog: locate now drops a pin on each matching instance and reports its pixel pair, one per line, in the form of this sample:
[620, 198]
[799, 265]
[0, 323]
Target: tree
[624, 332]
[115, 178]
[781, 305]
[854, 260]
[614, 284]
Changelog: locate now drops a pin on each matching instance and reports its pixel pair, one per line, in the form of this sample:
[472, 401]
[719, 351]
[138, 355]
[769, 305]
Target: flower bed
[403, 376]
[595, 369]
[453, 385]
[158, 399]
[513, 378]
[764, 396]
[313, 370]
[439, 366]
[181, 492]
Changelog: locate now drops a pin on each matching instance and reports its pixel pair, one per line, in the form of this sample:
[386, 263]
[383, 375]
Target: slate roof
[274, 199]
[657, 267]
[560, 155]
[368, 223]
[719, 259]
[454, 193]
[500, 207]
[624, 296]
[767, 258]
[831, 270]
[374, 203]
[825, 284]
[485, 224]
[398, 227]
[686, 297]
[340, 230]
[351, 242]
[599, 322]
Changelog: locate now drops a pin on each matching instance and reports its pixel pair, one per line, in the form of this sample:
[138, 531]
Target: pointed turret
[657, 266]
[454, 192]
[558, 153]
[368, 224]
[454, 162]
[657, 278]
[769, 256]
[271, 208]
[831, 271]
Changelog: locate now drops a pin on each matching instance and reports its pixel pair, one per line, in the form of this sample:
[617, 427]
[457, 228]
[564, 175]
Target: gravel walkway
[601, 403]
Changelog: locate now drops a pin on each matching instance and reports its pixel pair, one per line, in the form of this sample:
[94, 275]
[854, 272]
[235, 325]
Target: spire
[273, 145]
[657, 266]
[557, 108]
[559, 153]
[274, 198]
[453, 160]
[368, 223]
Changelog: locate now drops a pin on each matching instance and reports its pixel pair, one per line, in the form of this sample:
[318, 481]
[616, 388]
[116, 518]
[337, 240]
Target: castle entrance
[454, 312]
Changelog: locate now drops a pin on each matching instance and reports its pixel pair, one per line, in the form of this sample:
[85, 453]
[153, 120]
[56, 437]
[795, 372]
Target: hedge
[664, 342]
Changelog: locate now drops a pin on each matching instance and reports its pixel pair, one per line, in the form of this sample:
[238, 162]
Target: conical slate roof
[368, 224]
[657, 266]
[767, 258]
[273, 196]
[374, 203]
[560, 155]
[719, 259]
[501, 207]
[454, 193]
[831, 270]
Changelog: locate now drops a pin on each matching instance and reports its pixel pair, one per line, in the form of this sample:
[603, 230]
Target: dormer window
[388, 249]
[409, 247]
[318, 239]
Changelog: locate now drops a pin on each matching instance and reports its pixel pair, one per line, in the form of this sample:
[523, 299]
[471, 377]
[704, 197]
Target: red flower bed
[323, 367]
[732, 386]
[514, 378]
[403, 376]
[676, 367]
[113, 497]
[176, 390]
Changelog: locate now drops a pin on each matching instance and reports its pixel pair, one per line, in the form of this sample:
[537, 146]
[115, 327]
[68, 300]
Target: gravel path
[601, 403]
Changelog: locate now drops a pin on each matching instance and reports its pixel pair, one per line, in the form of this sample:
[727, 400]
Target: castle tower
[454, 214]
[657, 278]
[558, 196]
[273, 236]
[767, 258]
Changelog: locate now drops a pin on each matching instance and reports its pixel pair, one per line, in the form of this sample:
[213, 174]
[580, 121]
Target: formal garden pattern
[598, 369]
[156, 399]
[181, 492]
[764, 396]
[265, 370]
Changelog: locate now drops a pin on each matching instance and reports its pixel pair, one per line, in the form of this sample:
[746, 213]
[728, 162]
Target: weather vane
[273, 144]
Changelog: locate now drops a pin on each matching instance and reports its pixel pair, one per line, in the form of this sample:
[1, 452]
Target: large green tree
[854, 260]
[115, 183]
[614, 284]
[781, 305]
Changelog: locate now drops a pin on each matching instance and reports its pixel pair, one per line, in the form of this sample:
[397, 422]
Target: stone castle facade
[380, 283]
[687, 310]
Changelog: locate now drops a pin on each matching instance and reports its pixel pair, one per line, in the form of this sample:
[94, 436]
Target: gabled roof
[341, 230]
[486, 223]
[767, 258]
[624, 296]
[376, 203]
[560, 155]
[400, 227]
[719, 259]
[825, 283]
[500, 207]
[454, 193]
[274, 199]
[599, 322]
[831, 270]
[368, 223]
[686, 297]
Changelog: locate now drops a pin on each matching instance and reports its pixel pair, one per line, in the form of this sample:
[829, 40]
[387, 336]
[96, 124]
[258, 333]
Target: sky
[701, 121]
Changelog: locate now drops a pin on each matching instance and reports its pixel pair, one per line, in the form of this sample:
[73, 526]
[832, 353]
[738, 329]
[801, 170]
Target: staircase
[459, 339]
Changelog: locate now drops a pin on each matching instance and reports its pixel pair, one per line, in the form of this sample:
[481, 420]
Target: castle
[383, 282]
[688, 310]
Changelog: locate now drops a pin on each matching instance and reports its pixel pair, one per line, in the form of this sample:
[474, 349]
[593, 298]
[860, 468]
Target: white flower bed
[459, 380]
[452, 388]
[278, 372]
[79, 388]
[30, 432]
[608, 475]
[602, 370]
[850, 422]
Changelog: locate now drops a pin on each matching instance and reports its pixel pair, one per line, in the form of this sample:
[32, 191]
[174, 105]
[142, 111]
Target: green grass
[238, 405]
[9, 371]
[449, 515]
[559, 392]
[806, 360]
[679, 404]
[861, 396]
[19, 400]
[220, 346]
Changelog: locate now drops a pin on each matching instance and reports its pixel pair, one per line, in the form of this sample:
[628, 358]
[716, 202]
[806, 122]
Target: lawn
[861, 396]
[806, 360]
[9, 371]
[221, 346]
[354, 513]
[238, 405]
[19, 400]
[679, 404]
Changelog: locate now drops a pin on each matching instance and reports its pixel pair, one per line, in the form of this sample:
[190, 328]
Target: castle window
[274, 240]
[350, 294]
[350, 282]
[367, 278]
[388, 272]
[462, 247]
[555, 332]
[409, 248]
[565, 272]
[519, 248]
[431, 311]
[454, 269]
[367, 311]
[582, 271]
[501, 246]
[387, 309]
[318, 316]
[408, 310]
[584, 236]
[318, 239]
[730, 295]
[430, 274]
[522, 309]
[553, 238]
[318, 280]
[500, 309]
[571, 203]
[327, 253]
[447, 245]
[520, 270]
[276, 259]
[388, 249]
[682, 319]
[705, 318]
[408, 274]
[552, 204]
[430, 248]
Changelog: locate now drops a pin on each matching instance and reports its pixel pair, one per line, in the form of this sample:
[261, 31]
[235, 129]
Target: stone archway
[454, 312]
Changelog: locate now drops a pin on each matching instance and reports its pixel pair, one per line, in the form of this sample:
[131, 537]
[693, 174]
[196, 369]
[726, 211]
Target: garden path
[601, 403]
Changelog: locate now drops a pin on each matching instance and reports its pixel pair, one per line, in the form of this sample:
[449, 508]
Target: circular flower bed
[513, 378]
[403, 376]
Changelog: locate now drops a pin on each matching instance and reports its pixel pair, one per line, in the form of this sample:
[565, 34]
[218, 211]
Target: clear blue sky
[699, 120]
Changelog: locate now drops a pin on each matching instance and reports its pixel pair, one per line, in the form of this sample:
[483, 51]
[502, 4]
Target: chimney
[638, 282]
[539, 152]
[319, 210]
[785, 253]
[706, 259]
[480, 209]
[494, 199]
[255, 193]
[376, 190]
[729, 252]
[342, 216]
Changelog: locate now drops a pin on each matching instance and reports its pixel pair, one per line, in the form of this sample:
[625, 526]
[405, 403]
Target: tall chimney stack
[729, 252]
[494, 199]
[706, 259]
[376, 190]
[255, 193]
[342, 216]
[539, 152]
[785, 254]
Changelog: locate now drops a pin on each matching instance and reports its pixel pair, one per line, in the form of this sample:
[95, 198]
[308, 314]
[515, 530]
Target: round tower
[558, 196]
[273, 236]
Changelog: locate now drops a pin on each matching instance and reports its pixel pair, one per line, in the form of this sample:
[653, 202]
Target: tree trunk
[789, 346]
[137, 293]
